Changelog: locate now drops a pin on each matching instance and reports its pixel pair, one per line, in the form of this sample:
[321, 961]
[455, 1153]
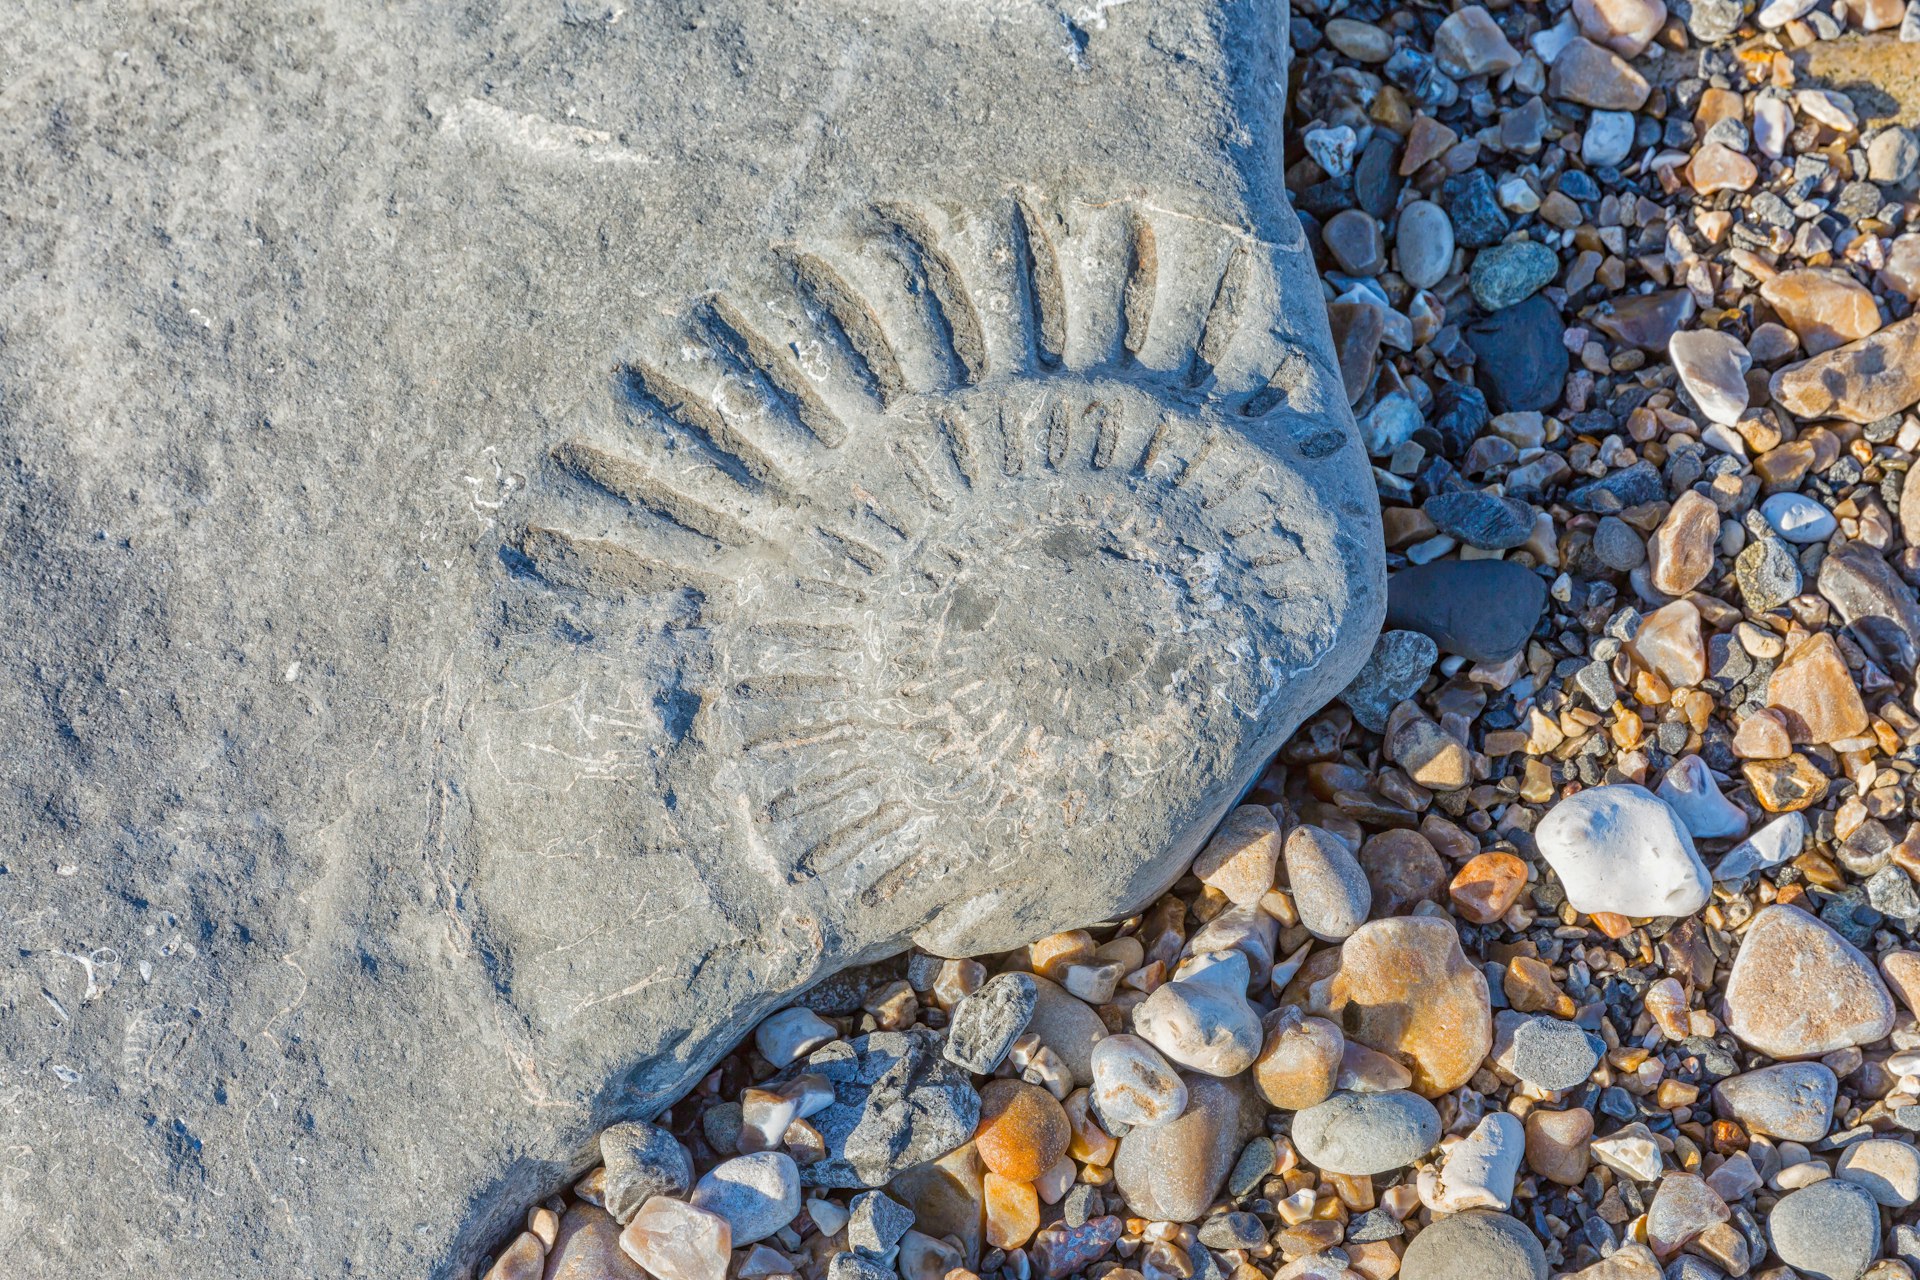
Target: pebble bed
[1578, 938]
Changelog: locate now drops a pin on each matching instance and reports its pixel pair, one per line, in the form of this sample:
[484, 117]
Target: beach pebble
[587, 1247]
[1397, 668]
[1828, 1231]
[1240, 858]
[1777, 842]
[1553, 1054]
[1483, 610]
[1887, 1169]
[789, 1035]
[1621, 849]
[1690, 791]
[1713, 368]
[1824, 306]
[757, 1194]
[1672, 644]
[1480, 1244]
[1484, 889]
[1814, 690]
[1680, 552]
[1068, 1026]
[1789, 1100]
[1630, 1150]
[1023, 1130]
[641, 1161]
[1134, 1085]
[1405, 989]
[1863, 381]
[1329, 888]
[1785, 957]
[1201, 1020]
[1584, 72]
[1608, 138]
[1477, 1172]
[674, 1240]
[1682, 1208]
[1469, 42]
[1625, 26]
[1557, 1144]
[986, 1023]
[1423, 244]
[1366, 1133]
[1173, 1172]
[1299, 1065]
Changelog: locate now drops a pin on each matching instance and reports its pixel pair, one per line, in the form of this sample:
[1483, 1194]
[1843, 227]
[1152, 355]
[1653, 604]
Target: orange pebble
[1013, 1211]
[1487, 886]
[1023, 1130]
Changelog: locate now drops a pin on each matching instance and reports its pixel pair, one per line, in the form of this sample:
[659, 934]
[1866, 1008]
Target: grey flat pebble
[1791, 1100]
[1477, 1245]
[1828, 1231]
[1366, 1133]
[1553, 1054]
[1400, 664]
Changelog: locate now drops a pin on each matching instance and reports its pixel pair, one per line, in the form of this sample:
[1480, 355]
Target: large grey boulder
[533, 532]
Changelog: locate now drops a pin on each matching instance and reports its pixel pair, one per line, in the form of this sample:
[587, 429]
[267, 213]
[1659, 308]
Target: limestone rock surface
[545, 531]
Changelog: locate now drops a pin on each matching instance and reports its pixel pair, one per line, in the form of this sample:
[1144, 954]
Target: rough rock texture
[534, 532]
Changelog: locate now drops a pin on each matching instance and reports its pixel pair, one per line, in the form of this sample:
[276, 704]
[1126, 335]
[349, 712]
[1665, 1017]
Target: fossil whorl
[964, 539]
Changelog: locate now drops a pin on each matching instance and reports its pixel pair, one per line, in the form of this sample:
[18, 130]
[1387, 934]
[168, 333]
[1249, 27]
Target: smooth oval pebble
[1828, 1231]
[1786, 955]
[1173, 1172]
[1134, 1085]
[757, 1194]
[1023, 1129]
[1789, 1100]
[1481, 1244]
[1425, 244]
[1366, 1133]
[1330, 889]
[1299, 1064]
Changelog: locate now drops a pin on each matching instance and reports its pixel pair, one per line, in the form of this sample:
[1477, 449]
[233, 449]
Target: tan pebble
[1406, 989]
[947, 1196]
[1529, 987]
[1427, 141]
[1240, 858]
[1050, 956]
[1557, 1144]
[1090, 1144]
[1484, 889]
[1763, 736]
[1826, 307]
[957, 980]
[1469, 42]
[1680, 552]
[1013, 1211]
[1299, 1062]
[1361, 41]
[1022, 1130]
[672, 1240]
[587, 1247]
[1715, 167]
[1901, 969]
[1596, 77]
[1814, 690]
[524, 1259]
[1431, 756]
[1784, 786]
[1786, 955]
[1862, 382]
[1625, 26]
[1402, 868]
[1670, 644]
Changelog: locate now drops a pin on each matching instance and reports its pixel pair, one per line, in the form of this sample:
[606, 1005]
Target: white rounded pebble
[1134, 1085]
[1886, 1169]
[1773, 844]
[1332, 149]
[757, 1194]
[782, 1038]
[1608, 139]
[1201, 1019]
[1622, 849]
[1690, 791]
[1479, 1170]
[1798, 518]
